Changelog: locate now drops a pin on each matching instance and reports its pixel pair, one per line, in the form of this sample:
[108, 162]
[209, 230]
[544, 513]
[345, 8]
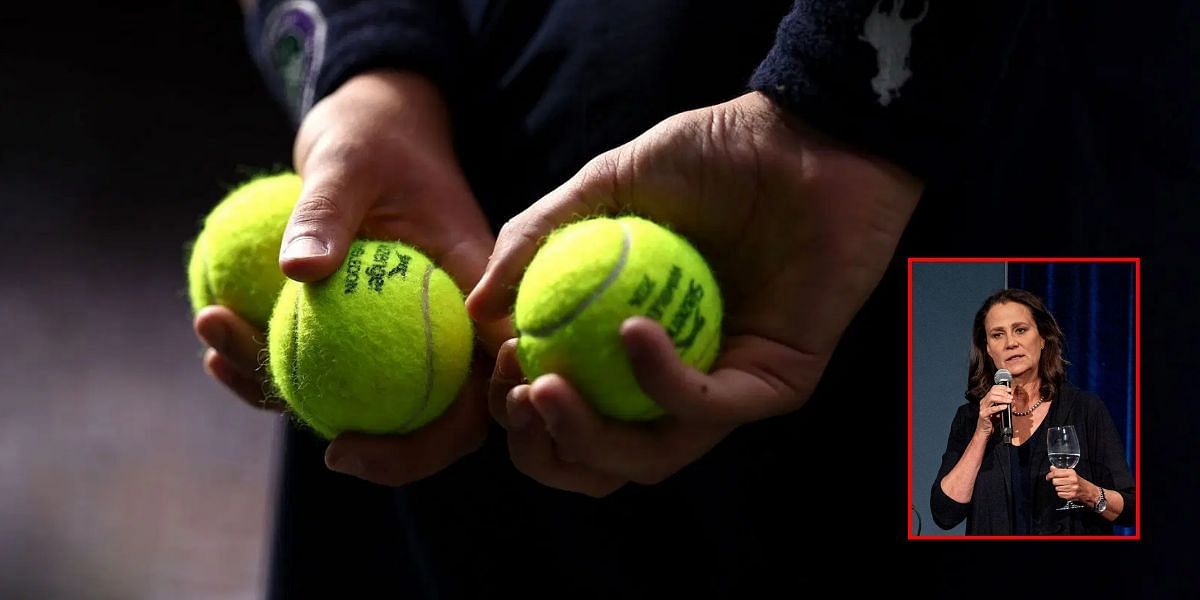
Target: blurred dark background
[124, 471]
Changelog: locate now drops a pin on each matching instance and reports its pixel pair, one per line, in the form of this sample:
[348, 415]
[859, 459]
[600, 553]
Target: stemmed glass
[1063, 447]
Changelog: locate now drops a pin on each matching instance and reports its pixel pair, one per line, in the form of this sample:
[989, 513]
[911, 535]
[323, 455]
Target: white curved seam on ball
[295, 369]
[428, 321]
[622, 259]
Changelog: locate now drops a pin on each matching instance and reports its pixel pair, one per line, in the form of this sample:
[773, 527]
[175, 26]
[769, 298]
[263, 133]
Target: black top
[1022, 498]
[989, 512]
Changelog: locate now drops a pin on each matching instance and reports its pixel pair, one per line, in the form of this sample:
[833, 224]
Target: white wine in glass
[1063, 447]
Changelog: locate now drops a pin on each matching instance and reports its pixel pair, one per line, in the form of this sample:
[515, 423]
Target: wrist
[377, 113]
[405, 90]
[982, 435]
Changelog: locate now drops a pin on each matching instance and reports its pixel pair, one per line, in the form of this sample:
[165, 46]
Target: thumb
[333, 200]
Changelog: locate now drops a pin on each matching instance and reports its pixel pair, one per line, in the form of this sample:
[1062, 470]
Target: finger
[336, 193]
[240, 343]
[767, 381]
[465, 262]
[250, 389]
[505, 376]
[533, 452]
[401, 459]
[680, 389]
[589, 192]
[643, 452]
[992, 411]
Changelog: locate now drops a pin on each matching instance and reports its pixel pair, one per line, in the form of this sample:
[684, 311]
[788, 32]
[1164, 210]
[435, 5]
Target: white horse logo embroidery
[891, 36]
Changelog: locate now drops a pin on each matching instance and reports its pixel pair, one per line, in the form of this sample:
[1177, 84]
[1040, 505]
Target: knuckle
[316, 208]
[343, 154]
[507, 228]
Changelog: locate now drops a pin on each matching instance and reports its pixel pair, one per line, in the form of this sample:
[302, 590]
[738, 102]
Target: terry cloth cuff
[305, 49]
[908, 81]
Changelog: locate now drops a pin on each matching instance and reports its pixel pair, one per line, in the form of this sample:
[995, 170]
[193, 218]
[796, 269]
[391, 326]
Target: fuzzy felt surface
[382, 346]
[235, 259]
[586, 280]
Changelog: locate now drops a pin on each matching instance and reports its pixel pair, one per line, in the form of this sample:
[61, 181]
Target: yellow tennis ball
[382, 346]
[586, 280]
[235, 259]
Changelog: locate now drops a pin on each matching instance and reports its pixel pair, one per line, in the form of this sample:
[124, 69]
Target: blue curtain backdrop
[1094, 305]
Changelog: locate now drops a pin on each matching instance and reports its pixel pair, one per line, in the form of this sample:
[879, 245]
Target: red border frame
[1137, 394]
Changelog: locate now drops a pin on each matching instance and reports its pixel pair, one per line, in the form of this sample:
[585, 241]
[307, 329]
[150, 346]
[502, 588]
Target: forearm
[959, 483]
[1091, 496]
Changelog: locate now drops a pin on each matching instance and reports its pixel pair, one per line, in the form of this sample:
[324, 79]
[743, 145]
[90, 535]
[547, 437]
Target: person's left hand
[798, 230]
[1069, 485]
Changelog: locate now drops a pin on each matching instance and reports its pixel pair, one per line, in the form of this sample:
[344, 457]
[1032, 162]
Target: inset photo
[1024, 398]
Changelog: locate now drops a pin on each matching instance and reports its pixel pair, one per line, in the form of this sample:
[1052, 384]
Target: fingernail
[348, 464]
[304, 247]
[507, 367]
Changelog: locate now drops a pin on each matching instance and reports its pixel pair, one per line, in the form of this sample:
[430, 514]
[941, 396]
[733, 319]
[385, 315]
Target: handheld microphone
[1004, 378]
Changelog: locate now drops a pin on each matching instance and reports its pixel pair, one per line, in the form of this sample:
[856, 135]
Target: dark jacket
[1102, 462]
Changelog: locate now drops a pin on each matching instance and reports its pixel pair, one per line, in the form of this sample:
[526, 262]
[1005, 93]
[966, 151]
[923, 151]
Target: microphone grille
[1003, 376]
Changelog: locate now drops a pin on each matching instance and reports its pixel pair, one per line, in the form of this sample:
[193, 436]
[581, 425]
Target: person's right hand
[377, 161]
[991, 405]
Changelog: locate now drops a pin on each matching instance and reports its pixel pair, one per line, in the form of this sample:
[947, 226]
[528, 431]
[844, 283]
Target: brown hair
[1052, 368]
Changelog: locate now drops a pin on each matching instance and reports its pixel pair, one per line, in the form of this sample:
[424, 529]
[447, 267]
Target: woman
[1011, 489]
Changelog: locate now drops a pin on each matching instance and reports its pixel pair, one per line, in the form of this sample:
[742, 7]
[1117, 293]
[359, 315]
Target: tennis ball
[235, 260]
[382, 346]
[586, 280]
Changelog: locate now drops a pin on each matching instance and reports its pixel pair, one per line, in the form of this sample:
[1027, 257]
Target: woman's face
[1013, 340]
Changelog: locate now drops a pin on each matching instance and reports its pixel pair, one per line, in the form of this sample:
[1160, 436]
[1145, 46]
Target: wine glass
[1063, 447]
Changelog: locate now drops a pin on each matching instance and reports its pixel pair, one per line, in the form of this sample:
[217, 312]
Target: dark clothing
[542, 86]
[1102, 462]
[960, 50]
[1022, 496]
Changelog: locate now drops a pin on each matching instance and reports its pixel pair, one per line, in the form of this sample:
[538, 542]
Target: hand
[377, 161]
[798, 231]
[1070, 486]
[990, 406]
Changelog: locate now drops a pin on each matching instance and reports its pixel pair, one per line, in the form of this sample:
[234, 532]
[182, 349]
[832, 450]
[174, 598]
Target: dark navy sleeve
[305, 49]
[908, 81]
[948, 512]
[1109, 467]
